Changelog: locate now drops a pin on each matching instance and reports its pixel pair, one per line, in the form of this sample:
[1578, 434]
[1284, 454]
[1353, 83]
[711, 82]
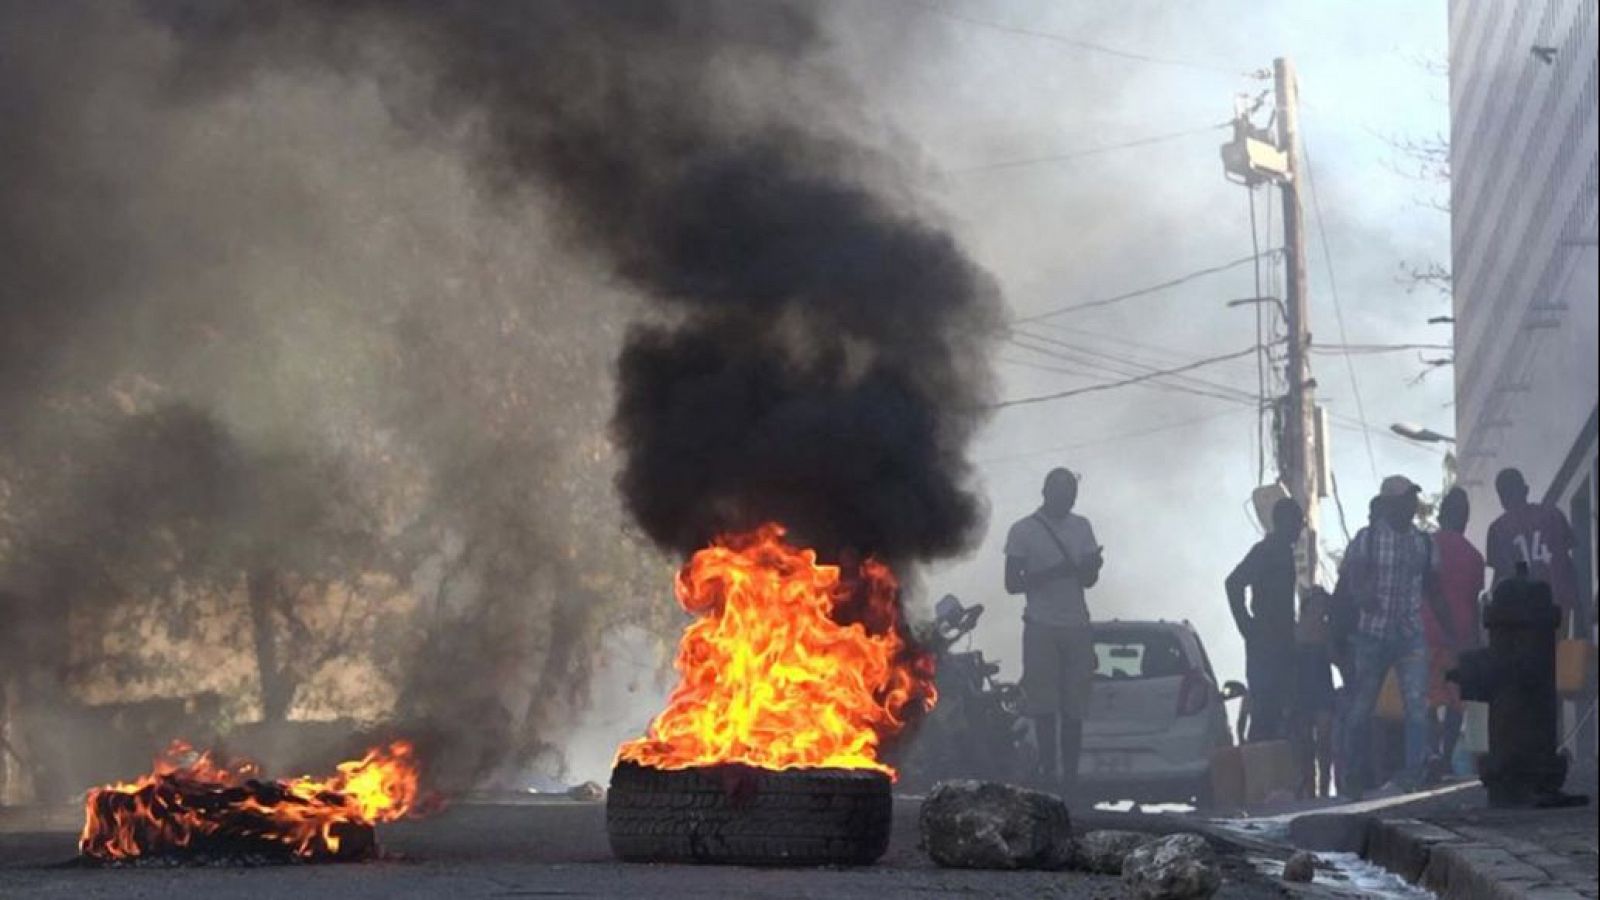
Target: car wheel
[746, 816]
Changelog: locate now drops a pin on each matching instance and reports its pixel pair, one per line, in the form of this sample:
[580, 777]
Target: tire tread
[743, 816]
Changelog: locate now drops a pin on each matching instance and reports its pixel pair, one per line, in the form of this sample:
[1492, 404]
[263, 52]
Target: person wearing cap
[1392, 571]
[1539, 535]
[1051, 559]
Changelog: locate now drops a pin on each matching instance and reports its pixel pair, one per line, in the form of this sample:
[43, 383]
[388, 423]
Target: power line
[1098, 370]
[1124, 366]
[1348, 349]
[1110, 385]
[1202, 389]
[1273, 288]
[1117, 364]
[1186, 383]
[1085, 152]
[1261, 362]
[1239, 398]
[1338, 502]
[1173, 355]
[1141, 292]
[1109, 439]
[1075, 42]
[1041, 367]
[1338, 309]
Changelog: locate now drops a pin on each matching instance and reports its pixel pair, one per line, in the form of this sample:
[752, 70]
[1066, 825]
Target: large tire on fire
[737, 815]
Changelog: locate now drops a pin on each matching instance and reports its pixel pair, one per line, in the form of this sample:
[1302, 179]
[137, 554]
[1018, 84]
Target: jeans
[1373, 657]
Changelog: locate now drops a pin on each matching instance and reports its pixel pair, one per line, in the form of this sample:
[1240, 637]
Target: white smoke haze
[272, 327]
[323, 286]
[1167, 474]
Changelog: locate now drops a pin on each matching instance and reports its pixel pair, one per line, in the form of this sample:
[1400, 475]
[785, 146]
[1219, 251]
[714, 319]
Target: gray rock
[1175, 867]
[1301, 868]
[987, 825]
[588, 791]
[1103, 851]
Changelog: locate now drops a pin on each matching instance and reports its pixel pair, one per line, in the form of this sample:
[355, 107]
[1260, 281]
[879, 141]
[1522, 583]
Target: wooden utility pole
[1300, 462]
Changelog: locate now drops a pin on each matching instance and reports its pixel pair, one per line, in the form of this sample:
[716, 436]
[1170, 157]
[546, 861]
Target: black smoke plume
[248, 385]
[818, 360]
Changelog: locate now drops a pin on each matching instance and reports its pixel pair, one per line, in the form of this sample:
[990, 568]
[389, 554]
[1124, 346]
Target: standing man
[1539, 535]
[1267, 572]
[1393, 571]
[1051, 557]
[1460, 584]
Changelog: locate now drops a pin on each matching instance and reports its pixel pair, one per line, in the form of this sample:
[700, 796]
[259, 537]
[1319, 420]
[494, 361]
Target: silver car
[1155, 715]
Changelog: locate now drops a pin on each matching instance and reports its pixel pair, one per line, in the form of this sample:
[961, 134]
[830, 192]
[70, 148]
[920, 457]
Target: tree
[1425, 161]
[323, 411]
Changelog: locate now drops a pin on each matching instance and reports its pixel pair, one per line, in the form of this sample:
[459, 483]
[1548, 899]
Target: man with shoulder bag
[1051, 558]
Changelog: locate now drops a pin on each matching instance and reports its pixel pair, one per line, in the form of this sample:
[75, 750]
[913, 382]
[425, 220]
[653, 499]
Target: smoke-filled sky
[315, 259]
[1167, 474]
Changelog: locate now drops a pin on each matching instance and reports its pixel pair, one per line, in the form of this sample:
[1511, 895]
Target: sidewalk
[1453, 844]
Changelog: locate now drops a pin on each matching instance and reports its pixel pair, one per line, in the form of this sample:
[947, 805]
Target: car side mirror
[1233, 690]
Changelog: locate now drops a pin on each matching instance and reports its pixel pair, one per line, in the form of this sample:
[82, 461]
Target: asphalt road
[551, 849]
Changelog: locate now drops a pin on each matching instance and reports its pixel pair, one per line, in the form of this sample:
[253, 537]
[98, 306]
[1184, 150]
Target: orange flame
[191, 800]
[790, 665]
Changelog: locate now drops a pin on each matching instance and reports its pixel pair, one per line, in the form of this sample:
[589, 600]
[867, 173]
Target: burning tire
[738, 815]
[198, 808]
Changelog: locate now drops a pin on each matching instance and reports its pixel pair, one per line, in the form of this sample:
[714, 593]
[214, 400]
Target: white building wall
[1523, 150]
[1523, 196]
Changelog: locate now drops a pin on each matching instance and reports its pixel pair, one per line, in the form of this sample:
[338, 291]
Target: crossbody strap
[1065, 555]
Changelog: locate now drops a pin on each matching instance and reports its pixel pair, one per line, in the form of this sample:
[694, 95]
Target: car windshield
[1137, 654]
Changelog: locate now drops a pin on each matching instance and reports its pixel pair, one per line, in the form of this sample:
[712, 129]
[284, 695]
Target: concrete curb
[1453, 865]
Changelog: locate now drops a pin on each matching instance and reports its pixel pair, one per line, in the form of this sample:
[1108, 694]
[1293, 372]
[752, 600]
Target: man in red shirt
[1459, 586]
[1537, 534]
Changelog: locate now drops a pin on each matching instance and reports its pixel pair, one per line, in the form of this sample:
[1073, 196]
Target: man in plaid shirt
[1390, 570]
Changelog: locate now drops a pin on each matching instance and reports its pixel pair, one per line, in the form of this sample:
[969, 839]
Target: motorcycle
[976, 730]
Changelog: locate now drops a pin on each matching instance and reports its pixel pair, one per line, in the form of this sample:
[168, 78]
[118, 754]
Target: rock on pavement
[987, 825]
[1176, 867]
[1301, 867]
[1103, 851]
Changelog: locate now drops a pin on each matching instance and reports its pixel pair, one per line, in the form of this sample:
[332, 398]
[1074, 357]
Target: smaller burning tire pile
[741, 815]
[196, 809]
